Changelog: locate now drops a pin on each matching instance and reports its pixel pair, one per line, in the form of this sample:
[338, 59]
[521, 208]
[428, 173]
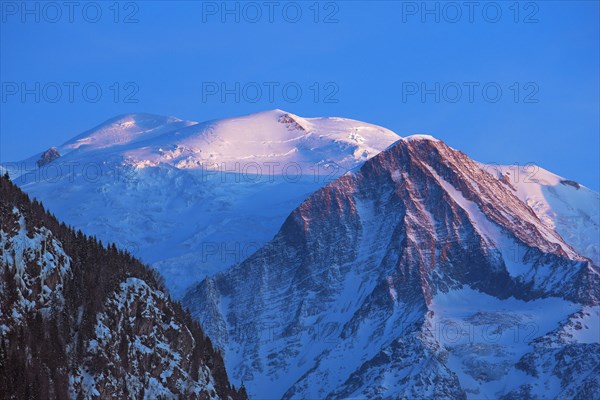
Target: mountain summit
[421, 275]
[274, 136]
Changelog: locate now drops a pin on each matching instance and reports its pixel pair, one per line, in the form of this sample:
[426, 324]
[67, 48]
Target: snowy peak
[364, 280]
[263, 138]
[123, 130]
[272, 137]
[472, 187]
[412, 138]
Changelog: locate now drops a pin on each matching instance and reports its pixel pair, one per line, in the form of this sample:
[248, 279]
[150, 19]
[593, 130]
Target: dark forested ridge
[79, 319]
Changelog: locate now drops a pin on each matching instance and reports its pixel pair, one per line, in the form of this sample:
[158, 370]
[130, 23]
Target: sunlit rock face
[421, 275]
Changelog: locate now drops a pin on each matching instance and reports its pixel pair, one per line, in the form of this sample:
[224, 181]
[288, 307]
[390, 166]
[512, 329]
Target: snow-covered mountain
[273, 136]
[421, 275]
[81, 321]
[193, 198]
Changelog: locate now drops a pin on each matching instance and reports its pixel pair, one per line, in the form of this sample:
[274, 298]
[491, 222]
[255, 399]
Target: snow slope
[571, 209]
[193, 198]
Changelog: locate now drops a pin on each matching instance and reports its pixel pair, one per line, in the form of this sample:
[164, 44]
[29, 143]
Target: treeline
[34, 360]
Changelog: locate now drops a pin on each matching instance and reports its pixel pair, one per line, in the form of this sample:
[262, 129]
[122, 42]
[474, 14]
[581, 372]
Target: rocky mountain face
[80, 320]
[422, 275]
[48, 156]
[180, 195]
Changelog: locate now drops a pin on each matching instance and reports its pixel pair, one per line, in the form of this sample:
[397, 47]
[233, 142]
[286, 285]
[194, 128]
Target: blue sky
[368, 61]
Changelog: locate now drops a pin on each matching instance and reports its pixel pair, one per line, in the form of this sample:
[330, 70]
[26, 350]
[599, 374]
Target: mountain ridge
[392, 246]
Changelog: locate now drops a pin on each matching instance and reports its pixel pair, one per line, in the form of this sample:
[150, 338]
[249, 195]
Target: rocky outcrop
[290, 123]
[48, 156]
[570, 183]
